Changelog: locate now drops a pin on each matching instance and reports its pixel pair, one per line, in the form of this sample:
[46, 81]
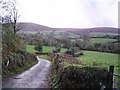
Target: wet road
[35, 77]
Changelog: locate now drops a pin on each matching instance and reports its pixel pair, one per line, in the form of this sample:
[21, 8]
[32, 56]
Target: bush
[72, 74]
[74, 51]
[83, 77]
[39, 47]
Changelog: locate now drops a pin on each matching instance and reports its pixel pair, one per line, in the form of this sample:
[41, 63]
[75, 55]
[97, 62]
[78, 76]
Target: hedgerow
[67, 72]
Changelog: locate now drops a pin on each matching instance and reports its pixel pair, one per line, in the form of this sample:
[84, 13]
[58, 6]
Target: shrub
[83, 77]
[39, 47]
[74, 51]
[72, 74]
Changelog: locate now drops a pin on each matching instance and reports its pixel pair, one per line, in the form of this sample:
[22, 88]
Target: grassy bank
[19, 70]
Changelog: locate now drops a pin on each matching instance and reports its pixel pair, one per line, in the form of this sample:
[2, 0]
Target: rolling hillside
[32, 27]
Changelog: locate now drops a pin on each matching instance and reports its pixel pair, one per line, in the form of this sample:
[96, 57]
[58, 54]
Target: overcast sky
[70, 13]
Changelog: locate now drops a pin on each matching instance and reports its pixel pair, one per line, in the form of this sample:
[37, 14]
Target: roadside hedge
[16, 62]
[77, 75]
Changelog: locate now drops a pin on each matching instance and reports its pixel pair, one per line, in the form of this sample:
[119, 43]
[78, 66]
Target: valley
[70, 50]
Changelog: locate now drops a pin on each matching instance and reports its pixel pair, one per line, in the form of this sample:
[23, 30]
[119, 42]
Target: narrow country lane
[35, 77]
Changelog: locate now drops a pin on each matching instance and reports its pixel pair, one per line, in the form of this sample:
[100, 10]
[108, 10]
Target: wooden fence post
[111, 71]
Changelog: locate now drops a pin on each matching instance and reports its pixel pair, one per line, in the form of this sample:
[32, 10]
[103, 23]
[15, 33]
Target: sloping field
[93, 58]
[102, 40]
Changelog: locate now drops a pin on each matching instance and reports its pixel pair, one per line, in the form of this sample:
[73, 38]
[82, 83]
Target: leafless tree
[10, 14]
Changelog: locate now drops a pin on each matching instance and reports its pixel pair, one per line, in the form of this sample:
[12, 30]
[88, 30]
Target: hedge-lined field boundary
[67, 72]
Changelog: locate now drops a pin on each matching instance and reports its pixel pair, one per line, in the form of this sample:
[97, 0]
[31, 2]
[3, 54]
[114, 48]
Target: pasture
[93, 58]
[103, 33]
[90, 58]
[101, 40]
[31, 48]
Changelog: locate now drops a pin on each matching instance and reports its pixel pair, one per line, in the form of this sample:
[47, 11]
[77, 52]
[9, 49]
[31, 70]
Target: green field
[91, 58]
[101, 40]
[31, 48]
[103, 33]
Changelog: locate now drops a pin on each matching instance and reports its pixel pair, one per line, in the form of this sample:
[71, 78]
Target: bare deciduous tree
[10, 14]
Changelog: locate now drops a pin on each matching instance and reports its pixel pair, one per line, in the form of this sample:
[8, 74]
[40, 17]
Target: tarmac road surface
[35, 77]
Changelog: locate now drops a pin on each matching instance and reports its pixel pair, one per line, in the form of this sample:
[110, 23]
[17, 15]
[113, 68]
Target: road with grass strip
[37, 76]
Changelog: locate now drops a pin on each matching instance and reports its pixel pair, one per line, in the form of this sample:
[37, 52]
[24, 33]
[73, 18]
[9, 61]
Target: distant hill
[87, 30]
[36, 28]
